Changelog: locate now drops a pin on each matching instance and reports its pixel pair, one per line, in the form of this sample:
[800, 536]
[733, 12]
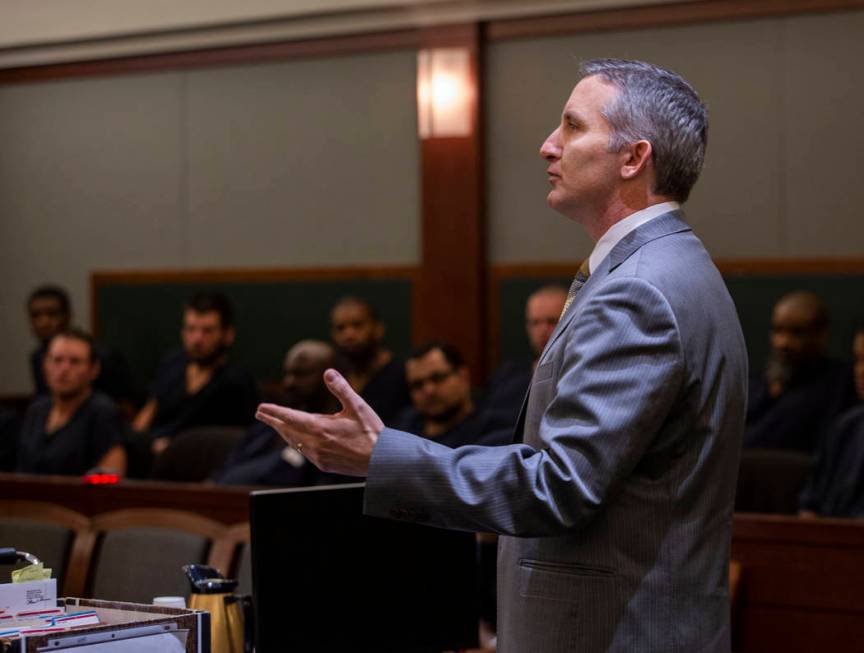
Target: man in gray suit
[617, 503]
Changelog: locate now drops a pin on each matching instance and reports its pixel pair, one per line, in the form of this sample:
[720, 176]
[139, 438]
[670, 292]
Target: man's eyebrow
[571, 115]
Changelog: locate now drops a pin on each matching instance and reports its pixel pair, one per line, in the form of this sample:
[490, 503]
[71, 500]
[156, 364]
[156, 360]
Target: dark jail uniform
[507, 389]
[797, 418]
[75, 447]
[10, 425]
[229, 398]
[478, 428]
[836, 486]
[259, 459]
[386, 391]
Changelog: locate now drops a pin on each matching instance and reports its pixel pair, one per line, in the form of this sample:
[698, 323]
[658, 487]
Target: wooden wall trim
[640, 17]
[766, 266]
[228, 275]
[661, 15]
[228, 505]
[225, 56]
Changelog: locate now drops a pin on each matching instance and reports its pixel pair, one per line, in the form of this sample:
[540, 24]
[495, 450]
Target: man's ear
[95, 370]
[637, 158]
[379, 331]
[228, 337]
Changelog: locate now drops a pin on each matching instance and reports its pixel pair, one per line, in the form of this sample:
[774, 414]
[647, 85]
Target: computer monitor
[327, 578]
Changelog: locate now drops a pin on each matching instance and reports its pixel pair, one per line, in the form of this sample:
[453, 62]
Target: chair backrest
[140, 552]
[770, 481]
[195, 454]
[231, 555]
[59, 537]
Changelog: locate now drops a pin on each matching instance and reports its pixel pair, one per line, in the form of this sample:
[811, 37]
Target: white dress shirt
[623, 227]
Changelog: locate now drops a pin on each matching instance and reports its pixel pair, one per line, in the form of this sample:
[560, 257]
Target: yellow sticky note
[31, 572]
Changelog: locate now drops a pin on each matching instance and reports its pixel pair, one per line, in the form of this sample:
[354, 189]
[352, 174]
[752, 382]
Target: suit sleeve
[621, 375]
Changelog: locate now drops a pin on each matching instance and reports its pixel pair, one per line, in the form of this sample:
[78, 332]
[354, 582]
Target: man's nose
[550, 149]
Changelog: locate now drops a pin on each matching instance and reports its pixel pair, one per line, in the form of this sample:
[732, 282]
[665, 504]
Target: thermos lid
[207, 580]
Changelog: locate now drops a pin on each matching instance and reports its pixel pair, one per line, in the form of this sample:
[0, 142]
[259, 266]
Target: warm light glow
[443, 93]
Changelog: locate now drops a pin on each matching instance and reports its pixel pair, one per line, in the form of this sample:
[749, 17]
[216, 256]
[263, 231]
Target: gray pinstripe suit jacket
[618, 502]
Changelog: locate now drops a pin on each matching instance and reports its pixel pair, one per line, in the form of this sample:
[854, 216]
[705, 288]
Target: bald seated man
[262, 457]
[800, 391]
[509, 383]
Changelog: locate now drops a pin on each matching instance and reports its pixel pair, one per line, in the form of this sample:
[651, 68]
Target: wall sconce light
[444, 92]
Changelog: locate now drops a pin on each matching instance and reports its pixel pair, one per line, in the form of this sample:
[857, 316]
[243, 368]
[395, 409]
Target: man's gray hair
[659, 106]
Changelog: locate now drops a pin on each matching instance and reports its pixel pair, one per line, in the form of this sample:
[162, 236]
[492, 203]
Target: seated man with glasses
[443, 410]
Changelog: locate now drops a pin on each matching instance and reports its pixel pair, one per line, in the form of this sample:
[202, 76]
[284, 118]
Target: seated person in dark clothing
[10, 425]
[443, 410]
[800, 391]
[263, 457]
[371, 369]
[51, 313]
[509, 383]
[836, 486]
[198, 386]
[73, 429]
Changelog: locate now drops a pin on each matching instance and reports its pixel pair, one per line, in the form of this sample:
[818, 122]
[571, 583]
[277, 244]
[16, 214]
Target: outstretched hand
[340, 443]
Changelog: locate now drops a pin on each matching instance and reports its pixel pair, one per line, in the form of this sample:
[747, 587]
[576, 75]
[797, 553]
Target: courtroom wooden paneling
[228, 505]
[660, 15]
[227, 56]
[801, 583]
[451, 287]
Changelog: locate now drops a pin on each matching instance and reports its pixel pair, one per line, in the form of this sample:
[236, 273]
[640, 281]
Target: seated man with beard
[371, 369]
[444, 411]
[263, 457]
[198, 385]
[801, 390]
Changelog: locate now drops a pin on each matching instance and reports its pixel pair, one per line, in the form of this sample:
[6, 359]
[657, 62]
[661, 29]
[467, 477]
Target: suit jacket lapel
[663, 225]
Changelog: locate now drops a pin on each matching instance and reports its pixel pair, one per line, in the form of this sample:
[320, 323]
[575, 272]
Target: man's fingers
[279, 416]
[350, 400]
[342, 390]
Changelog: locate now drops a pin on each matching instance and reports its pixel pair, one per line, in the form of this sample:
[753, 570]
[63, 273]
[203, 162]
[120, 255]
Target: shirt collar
[623, 227]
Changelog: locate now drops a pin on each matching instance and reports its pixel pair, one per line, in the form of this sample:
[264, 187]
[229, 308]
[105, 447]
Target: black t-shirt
[486, 429]
[836, 486]
[229, 398]
[261, 459]
[386, 391]
[798, 417]
[507, 389]
[74, 448]
[10, 425]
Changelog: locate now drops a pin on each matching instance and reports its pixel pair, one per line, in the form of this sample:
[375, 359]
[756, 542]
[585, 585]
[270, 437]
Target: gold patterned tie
[578, 281]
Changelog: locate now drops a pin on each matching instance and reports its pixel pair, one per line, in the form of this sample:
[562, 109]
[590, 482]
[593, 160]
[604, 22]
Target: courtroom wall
[781, 175]
[314, 162]
[303, 163]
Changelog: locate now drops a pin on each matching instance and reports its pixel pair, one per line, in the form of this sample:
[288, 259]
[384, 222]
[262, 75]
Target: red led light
[101, 479]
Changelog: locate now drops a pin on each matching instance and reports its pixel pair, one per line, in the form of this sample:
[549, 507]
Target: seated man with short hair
[263, 457]
[371, 369]
[198, 385]
[509, 384]
[443, 409]
[73, 429]
[50, 313]
[836, 485]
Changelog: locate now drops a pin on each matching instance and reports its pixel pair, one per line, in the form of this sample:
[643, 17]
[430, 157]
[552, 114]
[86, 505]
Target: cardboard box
[124, 627]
